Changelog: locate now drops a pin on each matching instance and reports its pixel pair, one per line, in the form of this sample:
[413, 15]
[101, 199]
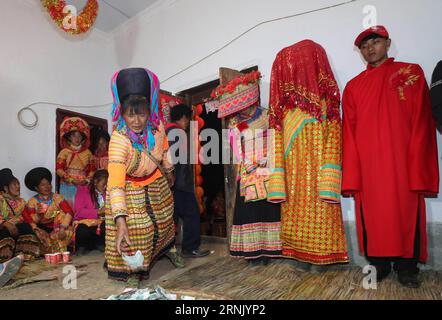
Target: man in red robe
[390, 160]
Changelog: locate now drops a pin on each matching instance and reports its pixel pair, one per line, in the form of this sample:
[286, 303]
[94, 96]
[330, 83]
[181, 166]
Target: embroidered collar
[76, 148]
[41, 199]
[387, 62]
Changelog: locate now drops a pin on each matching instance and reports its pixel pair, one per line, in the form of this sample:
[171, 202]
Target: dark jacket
[436, 93]
[184, 172]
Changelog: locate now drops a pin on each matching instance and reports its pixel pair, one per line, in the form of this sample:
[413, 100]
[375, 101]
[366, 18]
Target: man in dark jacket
[436, 94]
[186, 206]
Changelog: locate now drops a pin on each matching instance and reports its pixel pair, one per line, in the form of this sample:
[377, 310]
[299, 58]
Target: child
[89, 227]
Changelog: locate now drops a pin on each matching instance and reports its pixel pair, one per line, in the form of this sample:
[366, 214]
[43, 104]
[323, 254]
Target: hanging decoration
[239, 94]
[199, 181]
[69, 21]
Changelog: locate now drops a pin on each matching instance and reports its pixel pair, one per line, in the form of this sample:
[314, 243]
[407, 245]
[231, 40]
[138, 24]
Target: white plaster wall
[40, 63]
[173, 34]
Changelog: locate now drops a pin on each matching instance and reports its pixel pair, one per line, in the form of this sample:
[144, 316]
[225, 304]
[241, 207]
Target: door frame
[201, 94]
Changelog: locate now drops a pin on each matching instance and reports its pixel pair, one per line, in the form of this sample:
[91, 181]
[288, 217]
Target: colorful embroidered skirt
[256, 230]
[151, 228]
[7, 246]
[50, 236]
[25, 243]
[312, 227]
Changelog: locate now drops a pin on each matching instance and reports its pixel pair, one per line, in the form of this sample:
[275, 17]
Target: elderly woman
[139, 213]
[48, 213]
[16, 236]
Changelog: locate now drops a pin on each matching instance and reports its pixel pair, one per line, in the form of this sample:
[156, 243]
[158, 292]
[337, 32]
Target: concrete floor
[95, 284]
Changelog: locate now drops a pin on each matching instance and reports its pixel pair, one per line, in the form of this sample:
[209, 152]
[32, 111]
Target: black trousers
[87, 237]
[186, 209]
[384, 264]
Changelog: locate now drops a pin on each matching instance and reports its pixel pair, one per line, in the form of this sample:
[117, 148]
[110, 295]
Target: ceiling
[113, 13]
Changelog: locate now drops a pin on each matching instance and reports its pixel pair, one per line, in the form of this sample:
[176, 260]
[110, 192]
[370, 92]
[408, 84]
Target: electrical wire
[33, 125]
[254, 27]
[116, 9]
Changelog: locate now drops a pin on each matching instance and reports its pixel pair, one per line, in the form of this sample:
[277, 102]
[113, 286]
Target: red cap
[379, 30]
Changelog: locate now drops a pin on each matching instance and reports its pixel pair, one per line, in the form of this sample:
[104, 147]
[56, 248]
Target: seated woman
[16, 236]
[49, 215]
[89, 227]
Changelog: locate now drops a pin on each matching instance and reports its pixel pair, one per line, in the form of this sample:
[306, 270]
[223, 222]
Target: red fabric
[84, 206]
[302, 78]
[66, 208]
[27, 215]
[390, 158]
[379, 30]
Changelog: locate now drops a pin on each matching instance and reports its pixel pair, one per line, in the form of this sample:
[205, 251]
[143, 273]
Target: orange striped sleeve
[118, 153]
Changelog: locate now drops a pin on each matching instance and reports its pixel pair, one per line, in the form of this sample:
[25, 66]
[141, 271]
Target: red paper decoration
[85, 20]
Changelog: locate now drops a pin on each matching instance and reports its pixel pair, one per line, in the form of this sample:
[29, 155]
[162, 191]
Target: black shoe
[198, 253]
[382, 272]
[301, 266]
[254, 262]
[409, 279]
[265, 261]
[319, 269]
[381, 275]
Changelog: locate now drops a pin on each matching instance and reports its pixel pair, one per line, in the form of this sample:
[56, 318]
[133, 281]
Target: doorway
[219, 179]
[213, 219]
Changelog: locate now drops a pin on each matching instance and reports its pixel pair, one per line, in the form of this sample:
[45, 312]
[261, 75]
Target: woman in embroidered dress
[139, 205]
[48, 213]
[257, 223]
[304, 111]
[16, 236]
[75, 165]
